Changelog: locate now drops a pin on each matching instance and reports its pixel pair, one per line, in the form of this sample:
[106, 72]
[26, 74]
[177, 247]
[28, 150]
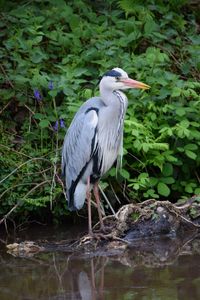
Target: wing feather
[79, 145]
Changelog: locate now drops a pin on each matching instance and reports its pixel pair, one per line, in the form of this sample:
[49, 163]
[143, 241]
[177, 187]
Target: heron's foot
[102, 236]
[99, 236]
[104, 229]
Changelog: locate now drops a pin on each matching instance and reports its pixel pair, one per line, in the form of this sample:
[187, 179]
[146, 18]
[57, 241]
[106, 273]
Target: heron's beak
[135, 84]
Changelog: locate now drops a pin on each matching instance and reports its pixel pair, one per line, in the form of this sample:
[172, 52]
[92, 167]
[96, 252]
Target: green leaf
[53, 93]
[163, 189]
[190, 154]
[180, 111]
[149, 27]
[153, 181]
[168, 180]
[44, 123]
[182, 129]
[171, 158]
[167, 169]
[38, 116]
[191, 147]
[112, 172]
[176, 92]
[145, 147]
[151, 193]
[87, 93]
[197, 192]
[189, 188]
[125, 174]
[74, 22]
[135, 186]
[184, 123]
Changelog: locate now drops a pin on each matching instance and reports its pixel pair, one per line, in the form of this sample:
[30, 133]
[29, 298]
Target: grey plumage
[90, 149]
[95, 137]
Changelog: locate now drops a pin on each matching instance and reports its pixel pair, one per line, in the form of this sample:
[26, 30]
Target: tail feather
[76, 200]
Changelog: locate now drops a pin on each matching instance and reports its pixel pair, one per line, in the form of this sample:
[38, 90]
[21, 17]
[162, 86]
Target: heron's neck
[111, 97]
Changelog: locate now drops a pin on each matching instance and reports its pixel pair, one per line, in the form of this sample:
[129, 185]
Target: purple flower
[55, 126]
[62, 123]
[57, 123]
[50, 85]
[37, 95]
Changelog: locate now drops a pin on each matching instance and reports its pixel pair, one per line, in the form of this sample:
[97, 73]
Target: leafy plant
[52, 53]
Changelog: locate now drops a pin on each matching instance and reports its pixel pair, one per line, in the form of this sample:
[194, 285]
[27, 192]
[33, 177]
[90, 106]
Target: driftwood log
[133, 228]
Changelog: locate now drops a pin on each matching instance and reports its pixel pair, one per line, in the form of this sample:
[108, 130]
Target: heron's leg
[97, 198]
[88, 196]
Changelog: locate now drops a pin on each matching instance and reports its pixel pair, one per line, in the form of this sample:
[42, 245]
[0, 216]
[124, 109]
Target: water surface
[160, 269]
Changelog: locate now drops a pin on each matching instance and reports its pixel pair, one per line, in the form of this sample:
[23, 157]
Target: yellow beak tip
[146, 87]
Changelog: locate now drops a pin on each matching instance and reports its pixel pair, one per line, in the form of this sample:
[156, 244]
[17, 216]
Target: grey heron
[94, 140]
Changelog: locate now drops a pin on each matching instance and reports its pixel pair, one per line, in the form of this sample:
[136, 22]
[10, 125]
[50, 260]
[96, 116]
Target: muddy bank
[138, 227]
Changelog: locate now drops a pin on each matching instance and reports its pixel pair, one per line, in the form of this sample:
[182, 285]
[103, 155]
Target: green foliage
[52, 53]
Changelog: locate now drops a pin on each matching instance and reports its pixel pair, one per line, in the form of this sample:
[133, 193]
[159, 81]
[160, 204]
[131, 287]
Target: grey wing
[79, 144]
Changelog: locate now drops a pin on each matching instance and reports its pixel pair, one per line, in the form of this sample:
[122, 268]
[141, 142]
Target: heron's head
[117, 79]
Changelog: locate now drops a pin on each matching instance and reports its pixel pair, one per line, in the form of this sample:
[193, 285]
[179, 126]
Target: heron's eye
[117, 78]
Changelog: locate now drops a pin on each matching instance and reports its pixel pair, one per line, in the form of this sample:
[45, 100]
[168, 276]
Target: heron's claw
[101, 236]
[104, 229]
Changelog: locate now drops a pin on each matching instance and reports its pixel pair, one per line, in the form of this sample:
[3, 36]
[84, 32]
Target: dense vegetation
[52, 53]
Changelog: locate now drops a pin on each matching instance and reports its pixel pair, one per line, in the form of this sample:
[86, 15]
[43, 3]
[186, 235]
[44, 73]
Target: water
[159, 269]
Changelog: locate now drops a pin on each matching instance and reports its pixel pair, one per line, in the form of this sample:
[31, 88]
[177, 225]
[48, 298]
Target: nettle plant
[52, 53]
